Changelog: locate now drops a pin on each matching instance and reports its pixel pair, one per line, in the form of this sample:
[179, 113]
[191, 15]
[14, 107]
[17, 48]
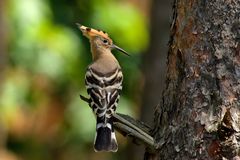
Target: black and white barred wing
[104, 91]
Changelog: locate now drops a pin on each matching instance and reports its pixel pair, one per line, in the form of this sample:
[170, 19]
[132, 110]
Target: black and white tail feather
[105, 138]
[104, 91]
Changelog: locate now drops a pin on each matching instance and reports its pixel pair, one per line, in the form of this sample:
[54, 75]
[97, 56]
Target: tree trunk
[199, 114]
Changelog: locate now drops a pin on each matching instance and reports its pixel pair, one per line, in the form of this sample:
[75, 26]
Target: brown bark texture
[199, 114]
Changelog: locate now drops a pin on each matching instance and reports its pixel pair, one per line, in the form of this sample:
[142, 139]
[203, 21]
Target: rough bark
[199, 114]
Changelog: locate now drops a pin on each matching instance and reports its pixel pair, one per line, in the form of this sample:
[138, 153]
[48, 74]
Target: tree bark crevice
[198, 116]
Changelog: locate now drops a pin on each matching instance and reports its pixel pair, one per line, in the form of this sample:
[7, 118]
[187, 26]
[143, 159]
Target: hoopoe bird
[103, 81]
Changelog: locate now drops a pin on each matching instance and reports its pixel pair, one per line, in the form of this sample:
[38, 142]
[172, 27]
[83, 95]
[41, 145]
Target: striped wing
[104, 91]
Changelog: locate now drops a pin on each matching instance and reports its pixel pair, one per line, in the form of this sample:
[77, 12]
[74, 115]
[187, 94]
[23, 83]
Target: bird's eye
[105, 41]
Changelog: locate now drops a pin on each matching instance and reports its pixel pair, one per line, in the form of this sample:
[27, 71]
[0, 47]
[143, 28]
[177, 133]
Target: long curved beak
[120, 49]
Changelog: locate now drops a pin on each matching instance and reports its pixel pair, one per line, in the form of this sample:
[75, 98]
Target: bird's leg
[127, 126]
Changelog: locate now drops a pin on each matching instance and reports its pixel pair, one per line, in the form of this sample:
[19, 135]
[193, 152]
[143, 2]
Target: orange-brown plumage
[90, 32]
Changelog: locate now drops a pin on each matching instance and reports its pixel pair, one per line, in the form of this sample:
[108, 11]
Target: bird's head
[99, 39]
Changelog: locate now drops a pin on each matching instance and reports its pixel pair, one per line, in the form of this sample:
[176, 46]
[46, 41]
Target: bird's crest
[90, 32]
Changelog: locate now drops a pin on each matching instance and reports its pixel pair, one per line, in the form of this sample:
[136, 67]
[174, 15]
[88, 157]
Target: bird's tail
[105, 139]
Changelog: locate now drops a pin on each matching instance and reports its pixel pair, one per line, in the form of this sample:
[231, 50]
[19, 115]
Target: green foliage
[48, 57]
[123, 22]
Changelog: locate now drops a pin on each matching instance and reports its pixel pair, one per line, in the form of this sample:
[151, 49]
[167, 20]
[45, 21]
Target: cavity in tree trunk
[199, 114]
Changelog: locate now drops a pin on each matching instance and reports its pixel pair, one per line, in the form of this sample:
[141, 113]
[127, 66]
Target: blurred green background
[43, 59]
